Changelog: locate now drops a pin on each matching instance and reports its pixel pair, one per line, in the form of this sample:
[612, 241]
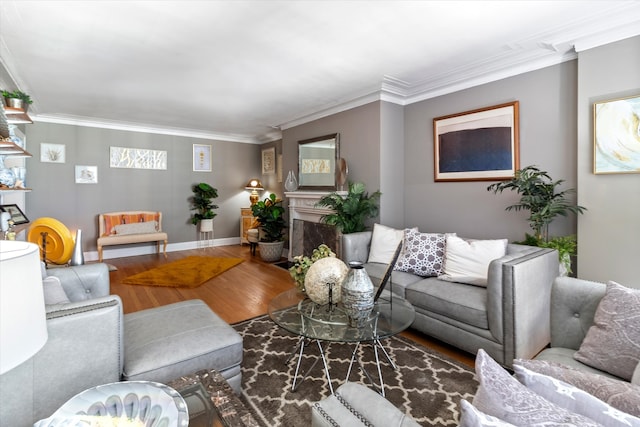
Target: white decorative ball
[320, 275]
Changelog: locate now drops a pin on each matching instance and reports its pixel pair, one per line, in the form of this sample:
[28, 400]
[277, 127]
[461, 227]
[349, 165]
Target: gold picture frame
[269, 161]
[616, 136]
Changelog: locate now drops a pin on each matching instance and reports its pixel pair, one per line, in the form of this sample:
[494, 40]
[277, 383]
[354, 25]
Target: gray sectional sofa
[509, 318]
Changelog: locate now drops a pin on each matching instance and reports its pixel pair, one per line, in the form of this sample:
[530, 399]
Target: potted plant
[202, 203]
[350, 210]
[17, 99]
[270, 215]
[540, 197]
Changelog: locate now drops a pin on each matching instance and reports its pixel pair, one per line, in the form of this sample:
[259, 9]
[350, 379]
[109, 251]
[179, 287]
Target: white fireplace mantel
[302, 205]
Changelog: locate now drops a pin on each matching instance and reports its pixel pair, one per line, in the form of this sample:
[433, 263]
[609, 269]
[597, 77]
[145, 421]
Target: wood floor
[238, 294]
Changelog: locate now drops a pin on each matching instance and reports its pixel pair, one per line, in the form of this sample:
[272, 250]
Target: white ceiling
[243, 70]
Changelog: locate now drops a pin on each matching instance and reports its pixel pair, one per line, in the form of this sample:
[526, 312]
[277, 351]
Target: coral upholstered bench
[123, 228]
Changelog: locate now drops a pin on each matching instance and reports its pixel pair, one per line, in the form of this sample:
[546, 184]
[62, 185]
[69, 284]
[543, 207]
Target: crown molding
[135, 127]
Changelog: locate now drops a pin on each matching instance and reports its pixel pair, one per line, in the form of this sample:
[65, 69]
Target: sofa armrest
[355, 246]
[83, 282]
[518, 295]
[573, 307]
[84, 349]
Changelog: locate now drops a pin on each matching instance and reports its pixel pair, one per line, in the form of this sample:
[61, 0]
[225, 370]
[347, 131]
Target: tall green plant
[202, 202]
[539, 197]
[350, 211]
[270, 214]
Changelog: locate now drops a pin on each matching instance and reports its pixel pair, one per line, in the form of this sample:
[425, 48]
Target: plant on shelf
[202, 202]
[540, 197]
[302, 263]
[350, 210]
[17, 94]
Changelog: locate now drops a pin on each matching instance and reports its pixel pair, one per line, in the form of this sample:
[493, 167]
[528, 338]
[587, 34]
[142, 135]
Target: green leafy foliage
[202, 202]
[539, 197]
[19, 95]
[270, 214]
[350, 211]
[565, 245]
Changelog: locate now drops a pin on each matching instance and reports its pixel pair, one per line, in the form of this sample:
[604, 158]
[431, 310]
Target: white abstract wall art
[137, 158]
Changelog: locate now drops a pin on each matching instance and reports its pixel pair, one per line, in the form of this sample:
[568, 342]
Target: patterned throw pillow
[110, 222]
[612, 343]
[501, 395]
[574, 399]
[422, 253]
[617, 393]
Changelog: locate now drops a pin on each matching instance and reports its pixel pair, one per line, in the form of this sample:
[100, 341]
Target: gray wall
[608, 246]
[55, 193]
[547, 100]
[359, 130]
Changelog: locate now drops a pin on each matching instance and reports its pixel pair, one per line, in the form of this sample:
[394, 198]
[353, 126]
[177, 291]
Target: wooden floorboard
[240, 293]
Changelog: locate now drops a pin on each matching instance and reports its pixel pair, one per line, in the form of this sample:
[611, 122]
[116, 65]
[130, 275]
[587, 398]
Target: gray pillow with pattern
[612, 343]
[422, 253]
[617, 393]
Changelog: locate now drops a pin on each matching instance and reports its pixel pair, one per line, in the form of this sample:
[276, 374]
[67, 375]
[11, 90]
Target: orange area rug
[189, 272]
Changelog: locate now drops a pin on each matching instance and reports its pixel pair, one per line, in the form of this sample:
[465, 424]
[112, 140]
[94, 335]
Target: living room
[388, 146]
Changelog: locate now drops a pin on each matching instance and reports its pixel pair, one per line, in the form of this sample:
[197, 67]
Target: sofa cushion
[137, 228]
[164, 343]
[110, 222]
[468, 261]
[573, 398]
[612, 343]
[422, 253]
[502, 396]
[384, 241]
[470, 416]
[398, 281]
[619, 394]
[465, 303]
[53, 291]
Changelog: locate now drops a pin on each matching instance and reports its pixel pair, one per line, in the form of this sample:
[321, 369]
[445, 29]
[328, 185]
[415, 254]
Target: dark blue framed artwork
[478, 145]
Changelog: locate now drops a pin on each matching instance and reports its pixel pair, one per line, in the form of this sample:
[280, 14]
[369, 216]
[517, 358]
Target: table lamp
[254, 185]
[23, 321]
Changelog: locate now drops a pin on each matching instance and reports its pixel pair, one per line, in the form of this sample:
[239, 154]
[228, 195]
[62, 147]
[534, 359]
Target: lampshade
[23, 322]
[254, 185]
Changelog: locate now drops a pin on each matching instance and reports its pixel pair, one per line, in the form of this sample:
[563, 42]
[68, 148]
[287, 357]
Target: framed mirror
[317, 159]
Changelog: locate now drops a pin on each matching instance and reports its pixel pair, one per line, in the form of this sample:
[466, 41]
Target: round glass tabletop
[292, 311]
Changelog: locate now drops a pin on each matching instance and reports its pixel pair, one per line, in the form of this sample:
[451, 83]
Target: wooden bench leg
[99, 253]
[165, 249]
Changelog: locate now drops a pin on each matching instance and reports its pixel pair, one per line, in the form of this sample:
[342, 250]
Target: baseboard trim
[110, 252]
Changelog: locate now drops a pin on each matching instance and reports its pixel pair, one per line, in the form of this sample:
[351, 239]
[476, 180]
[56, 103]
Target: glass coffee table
[323, 324]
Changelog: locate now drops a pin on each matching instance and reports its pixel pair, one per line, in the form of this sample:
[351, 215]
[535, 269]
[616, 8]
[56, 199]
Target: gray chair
[91, 342]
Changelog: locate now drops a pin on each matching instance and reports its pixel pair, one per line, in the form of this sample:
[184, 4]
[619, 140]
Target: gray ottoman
[164, 343]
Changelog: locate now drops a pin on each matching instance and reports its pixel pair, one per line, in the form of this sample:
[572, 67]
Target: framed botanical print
[269, 161]
[201, 158]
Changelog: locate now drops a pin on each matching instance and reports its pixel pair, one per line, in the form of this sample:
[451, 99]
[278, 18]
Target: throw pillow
[110, 222]
[612, 343]
[573, 399]
[471, 417]
[468, 261]
[137, 228]
[422, 253]
[384, 241]
[617, 393]
[53, 291]
[501, 395]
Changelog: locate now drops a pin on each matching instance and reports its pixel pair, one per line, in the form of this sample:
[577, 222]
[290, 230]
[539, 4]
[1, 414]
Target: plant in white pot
[201, 202]
[270, 215]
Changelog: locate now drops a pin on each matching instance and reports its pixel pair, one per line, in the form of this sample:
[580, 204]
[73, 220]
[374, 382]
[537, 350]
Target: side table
[211, 401]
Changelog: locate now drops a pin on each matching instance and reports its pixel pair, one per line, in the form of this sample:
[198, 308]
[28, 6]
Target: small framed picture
[17, 216]
[615, 135]
[86, 174]
[52, 153]
[269, 161]
[201, 158]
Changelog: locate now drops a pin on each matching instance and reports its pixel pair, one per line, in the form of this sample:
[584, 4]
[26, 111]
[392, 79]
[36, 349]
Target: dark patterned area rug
[427, 385]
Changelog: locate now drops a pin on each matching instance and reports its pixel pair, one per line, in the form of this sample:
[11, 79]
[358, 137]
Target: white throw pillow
[384, 241]
[468, 261]
[137, 228]
[53, 291]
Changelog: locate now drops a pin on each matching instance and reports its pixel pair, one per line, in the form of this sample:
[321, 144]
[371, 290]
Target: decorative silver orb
[323, 273]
